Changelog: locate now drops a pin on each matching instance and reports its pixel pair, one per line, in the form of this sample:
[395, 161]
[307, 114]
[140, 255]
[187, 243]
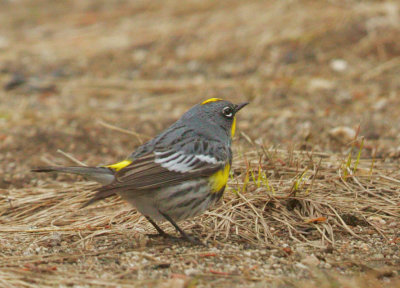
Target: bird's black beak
[240, 106]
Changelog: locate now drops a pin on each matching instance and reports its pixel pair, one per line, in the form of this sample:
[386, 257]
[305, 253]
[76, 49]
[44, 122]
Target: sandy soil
[314, 197]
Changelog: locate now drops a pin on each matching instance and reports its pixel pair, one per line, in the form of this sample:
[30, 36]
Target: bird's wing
[160, 169]
[165, 168]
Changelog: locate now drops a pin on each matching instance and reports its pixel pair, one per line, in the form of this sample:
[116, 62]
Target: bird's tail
[102, 175]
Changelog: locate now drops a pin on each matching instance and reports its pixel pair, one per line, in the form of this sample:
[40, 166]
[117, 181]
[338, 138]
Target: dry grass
[305, 201]
[309, 195]
[277, 200]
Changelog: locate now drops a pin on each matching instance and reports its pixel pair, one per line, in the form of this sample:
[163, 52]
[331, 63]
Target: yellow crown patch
[211, 100]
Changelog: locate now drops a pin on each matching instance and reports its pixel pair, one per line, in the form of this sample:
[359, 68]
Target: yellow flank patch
[233, 127]
[211, 100]
[118, 166]
[219, 179]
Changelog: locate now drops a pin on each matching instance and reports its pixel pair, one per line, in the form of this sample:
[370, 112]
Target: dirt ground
[314, 196]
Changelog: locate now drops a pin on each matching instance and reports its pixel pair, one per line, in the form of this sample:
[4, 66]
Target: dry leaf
[316, 220]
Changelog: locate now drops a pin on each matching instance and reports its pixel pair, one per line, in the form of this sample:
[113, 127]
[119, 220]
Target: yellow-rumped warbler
[178, 174]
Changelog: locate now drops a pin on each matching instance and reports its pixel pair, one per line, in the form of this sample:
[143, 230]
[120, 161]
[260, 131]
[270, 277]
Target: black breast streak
[190, 189]
[215, 197]
[191, 202]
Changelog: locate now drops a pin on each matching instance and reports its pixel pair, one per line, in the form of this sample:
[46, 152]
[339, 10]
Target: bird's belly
[178, 202]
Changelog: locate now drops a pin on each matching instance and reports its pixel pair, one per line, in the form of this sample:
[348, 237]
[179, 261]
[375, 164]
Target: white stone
[338, 65]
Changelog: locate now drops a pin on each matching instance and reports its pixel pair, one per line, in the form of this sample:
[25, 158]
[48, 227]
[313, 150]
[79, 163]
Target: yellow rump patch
[211, 100]
[219, 179]
[118, 166]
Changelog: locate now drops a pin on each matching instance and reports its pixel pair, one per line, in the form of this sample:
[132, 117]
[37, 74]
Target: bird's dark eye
[227, 112]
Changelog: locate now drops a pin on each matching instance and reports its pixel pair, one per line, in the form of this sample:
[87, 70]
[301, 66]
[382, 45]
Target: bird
[179, 174]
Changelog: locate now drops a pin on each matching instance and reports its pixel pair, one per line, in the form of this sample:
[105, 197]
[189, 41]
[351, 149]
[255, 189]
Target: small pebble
[338, 65]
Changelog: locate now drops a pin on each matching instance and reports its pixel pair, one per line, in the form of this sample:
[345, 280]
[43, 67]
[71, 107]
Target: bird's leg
[161, 232]
[184, 235]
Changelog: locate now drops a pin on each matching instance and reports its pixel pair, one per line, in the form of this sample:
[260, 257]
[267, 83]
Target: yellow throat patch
[233, 127]
[211, 100]
[118, 166]
[219, 179]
